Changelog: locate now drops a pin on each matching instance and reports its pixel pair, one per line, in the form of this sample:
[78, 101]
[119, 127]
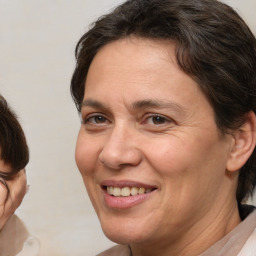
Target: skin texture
[17, 187]
[144, 120]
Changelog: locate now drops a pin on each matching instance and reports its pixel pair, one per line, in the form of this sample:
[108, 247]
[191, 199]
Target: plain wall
[37, 42]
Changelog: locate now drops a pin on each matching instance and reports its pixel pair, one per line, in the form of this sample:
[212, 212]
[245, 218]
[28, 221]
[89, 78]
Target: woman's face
[149, 151]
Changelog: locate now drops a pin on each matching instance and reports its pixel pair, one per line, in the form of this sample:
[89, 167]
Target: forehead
[4, 168]
[133, 55]
[136, 69]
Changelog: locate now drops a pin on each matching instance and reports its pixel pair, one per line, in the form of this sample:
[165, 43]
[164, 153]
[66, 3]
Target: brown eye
[96, 119]
[158, 120]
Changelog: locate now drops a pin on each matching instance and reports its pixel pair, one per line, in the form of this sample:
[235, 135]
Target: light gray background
[37, 41]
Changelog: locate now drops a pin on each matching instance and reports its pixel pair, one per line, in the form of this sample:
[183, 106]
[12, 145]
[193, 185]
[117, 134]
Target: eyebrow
[93, 103]
[140, 104]
[151, 103]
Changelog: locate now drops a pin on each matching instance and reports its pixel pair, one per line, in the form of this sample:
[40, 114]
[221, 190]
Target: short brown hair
[213, 45]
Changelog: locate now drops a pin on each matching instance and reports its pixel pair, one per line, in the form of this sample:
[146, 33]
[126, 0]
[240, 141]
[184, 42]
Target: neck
[194, 241]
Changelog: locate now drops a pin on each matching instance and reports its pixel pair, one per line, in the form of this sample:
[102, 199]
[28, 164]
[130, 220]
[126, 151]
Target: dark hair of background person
[214, 46]
[13, 146]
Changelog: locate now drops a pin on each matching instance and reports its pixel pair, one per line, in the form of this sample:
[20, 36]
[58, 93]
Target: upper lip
[126, 183]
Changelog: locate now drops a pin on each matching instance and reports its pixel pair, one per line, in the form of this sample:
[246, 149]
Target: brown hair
[13, 146]
[213, 45]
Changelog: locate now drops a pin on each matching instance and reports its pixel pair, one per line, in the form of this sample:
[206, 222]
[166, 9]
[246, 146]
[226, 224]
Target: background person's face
[5, 168]
[17, 186]
[147, 124]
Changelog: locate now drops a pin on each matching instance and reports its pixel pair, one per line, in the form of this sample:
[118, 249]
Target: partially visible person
[166, 90]
[14, 156]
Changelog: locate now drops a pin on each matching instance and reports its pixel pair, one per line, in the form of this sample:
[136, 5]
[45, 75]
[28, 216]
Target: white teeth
[134, 191]
[117, 191]
[111, 190]
[141, 191]
[127, 191]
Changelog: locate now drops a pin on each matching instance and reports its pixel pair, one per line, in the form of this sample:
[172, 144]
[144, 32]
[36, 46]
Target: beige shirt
[241, 241]
[15, 239]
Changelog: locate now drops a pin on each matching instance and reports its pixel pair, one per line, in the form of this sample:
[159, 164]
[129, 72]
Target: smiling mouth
[126, 191]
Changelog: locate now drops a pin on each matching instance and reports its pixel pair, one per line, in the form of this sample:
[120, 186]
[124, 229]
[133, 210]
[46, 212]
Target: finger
[17, 187]
[3, 200]
[3, 193]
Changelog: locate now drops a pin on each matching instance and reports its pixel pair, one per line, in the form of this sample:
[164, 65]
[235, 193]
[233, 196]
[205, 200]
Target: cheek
[85, 155]
[86, 160]
[188, 171]
[168, 156]
[187, 164]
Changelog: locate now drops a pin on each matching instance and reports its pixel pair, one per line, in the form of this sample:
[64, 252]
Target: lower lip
[124, 202]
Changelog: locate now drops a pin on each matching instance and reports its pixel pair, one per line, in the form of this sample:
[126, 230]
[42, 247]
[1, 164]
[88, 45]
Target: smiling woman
[166, 91]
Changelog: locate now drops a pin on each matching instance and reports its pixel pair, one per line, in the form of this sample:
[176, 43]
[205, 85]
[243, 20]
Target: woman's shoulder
[15, 239]
[249, 247]
[12, 236]
[118, 250]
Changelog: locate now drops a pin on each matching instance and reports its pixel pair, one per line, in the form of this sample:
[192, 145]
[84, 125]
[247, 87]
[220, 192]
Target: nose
[120, 149]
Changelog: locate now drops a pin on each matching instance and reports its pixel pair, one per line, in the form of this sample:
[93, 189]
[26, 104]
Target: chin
[125, 234]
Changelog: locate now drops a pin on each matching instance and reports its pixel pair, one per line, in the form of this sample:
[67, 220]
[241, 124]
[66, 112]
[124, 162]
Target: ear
[244, 141]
